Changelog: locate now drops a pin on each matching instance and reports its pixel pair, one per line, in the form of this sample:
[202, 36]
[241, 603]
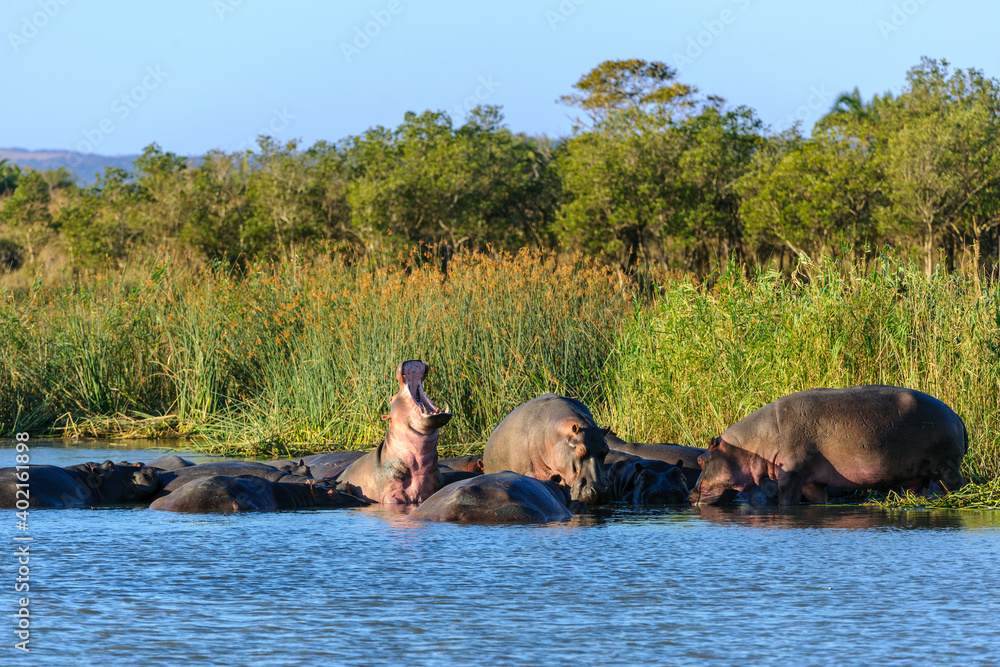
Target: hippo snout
[591, 493]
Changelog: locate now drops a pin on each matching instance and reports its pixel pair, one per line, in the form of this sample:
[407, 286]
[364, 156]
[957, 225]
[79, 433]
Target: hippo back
[504, 497]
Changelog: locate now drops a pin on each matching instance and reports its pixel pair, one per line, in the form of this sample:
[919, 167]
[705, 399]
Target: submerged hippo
[171, 480]
[82, 485]
[503, 497]
[223, 493]
[668, 452]
[867, 437]
[169, 462]
[552, 438]
[332, 464]
[645, 482]
[403, 469]
[471, 463]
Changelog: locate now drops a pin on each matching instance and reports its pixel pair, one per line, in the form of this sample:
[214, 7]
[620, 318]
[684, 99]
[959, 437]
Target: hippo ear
[680, 463]
[301, 462]
[701, 461]
[714, 443]
[385, 417]
[639, 467]
[581, 451]
[607, 430]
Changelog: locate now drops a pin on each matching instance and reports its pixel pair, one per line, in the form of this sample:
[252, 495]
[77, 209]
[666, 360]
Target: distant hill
[85, 166]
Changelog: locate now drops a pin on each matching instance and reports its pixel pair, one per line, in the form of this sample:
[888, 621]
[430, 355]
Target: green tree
[26, 214]
[280, 220]
[718, 148]
[9, 173]
[430, 183]
[104, 219]
[633, 85]
[811, 196]
[941, 155]
[164, 179]
[219, 208]
[621, 185]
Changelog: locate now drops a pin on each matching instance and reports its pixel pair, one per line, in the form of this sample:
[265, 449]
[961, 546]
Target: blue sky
[194, 75]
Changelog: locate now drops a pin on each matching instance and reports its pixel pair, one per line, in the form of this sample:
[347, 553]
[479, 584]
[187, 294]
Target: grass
[297, 357]
[300, 356]
[705, 355]
[985, 496]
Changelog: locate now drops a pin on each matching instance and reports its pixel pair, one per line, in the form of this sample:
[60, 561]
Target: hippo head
[578, 459]
[411, 406]
[123, 482]
[724, 473]
[665, 486]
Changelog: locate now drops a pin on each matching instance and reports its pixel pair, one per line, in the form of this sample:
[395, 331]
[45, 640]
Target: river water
[807, 585]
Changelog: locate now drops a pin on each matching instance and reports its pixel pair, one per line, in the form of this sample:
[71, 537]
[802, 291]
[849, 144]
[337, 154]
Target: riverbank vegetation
[298, 356]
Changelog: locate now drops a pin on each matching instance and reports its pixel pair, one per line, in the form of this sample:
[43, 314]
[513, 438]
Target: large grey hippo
[867, 437]
[403, 469]
[82, 485]
[503, 497]
[552, 438]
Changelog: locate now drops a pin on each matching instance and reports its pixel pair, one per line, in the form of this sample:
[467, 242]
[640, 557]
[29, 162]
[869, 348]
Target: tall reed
[706, 355]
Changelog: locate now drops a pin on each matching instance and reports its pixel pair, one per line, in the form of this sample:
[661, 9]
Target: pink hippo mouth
[411, 375]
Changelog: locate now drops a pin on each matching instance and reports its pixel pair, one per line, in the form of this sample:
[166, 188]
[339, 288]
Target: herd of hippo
[548, 459]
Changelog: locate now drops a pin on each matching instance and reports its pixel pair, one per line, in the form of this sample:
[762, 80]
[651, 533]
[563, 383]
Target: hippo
[448, 475]
[332, 464]
[83, 485]
[471, 463]
[668, 452]
[169, 462]
[552, 438]
[171, 480]
[866, 437]
[403, 469]
[240, 493]
[502, 497]
[645, 482]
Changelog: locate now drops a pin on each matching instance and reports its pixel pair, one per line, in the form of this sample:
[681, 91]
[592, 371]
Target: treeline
[654, 171]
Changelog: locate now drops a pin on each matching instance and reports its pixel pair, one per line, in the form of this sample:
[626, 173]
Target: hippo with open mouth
[403, 469]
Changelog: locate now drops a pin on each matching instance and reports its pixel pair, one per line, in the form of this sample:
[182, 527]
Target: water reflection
[854, 518]
[704, 586]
